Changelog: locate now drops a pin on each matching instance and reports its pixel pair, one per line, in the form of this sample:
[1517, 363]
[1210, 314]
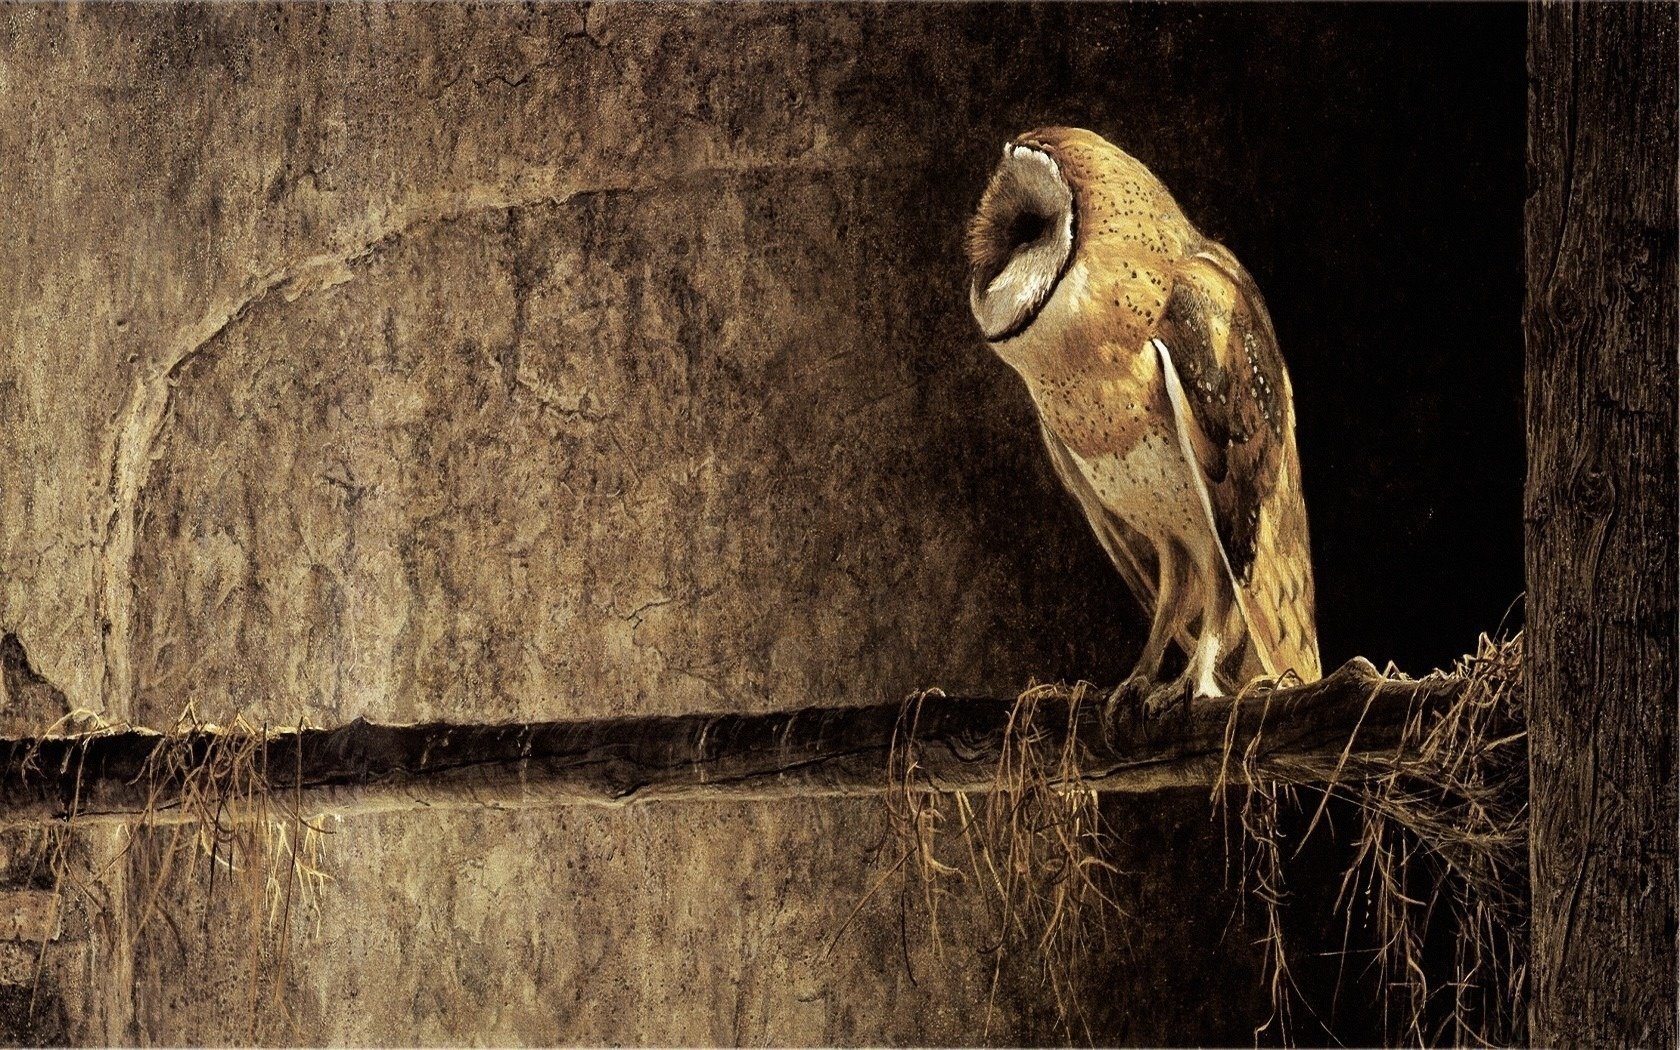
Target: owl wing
[1232, 406]
[1126, 548]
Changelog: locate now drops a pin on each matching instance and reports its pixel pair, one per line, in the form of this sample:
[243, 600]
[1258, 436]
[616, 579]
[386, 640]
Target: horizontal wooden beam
[1349, 722]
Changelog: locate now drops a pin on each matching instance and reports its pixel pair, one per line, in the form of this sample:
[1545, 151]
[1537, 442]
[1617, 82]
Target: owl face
[1020, 242]
[1067, 207]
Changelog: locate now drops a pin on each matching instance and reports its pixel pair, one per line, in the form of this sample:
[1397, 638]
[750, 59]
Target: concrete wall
[505, 363]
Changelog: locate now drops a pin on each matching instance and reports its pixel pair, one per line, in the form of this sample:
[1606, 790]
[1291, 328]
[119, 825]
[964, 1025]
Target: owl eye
[1027, 227]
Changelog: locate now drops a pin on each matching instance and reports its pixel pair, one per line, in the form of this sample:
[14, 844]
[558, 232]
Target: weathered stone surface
[637, 450]
[29, 915]
[708, 924]
[251, 179]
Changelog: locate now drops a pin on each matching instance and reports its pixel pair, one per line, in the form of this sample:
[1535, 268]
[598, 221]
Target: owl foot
[1162, 699]
[1129, 696]
[1140, 696]
[1124, 707]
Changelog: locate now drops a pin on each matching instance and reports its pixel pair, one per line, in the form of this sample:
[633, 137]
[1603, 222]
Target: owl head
[1057, 194]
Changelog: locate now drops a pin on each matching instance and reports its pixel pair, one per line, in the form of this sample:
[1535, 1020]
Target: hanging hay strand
[1447, 830]
[1439, 853]
[1033, 845]
[232, 826]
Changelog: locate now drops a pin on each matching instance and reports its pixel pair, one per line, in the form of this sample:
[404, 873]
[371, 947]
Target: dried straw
[1034, 847]
[1440, 852]
[246, 839]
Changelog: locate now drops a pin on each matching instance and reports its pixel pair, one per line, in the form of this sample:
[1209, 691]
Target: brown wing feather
[1243, 438]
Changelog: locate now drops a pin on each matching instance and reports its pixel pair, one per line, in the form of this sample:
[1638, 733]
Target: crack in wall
[144, 417]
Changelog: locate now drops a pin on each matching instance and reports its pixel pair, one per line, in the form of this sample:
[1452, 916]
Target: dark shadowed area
[1365, 164]
[494, 363]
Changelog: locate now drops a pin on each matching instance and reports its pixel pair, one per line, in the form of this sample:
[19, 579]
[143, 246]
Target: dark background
[1366, 164]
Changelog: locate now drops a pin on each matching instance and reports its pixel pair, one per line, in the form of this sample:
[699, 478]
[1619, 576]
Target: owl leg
[1171, 602]
[1203, 661]
[1169, 611]
[1200, 677]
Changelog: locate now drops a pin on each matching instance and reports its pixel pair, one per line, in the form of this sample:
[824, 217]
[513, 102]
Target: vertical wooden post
[1600, 325]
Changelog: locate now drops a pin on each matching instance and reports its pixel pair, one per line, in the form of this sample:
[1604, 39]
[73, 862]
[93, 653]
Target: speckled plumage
[1163, 400]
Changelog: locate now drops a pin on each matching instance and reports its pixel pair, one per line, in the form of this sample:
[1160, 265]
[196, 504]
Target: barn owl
[1162, 397]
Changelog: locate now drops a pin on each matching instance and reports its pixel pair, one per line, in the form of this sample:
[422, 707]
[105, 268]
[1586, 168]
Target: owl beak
[1020, 241]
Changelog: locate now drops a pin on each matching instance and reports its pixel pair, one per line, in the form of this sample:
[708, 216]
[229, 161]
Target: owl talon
[1124, 707]
[1163, 699]
[1129, 696]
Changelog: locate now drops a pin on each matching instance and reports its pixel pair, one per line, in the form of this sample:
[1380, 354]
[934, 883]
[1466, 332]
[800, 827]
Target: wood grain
[1599, 324]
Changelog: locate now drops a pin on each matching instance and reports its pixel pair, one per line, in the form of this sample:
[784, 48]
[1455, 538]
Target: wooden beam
[1599, 325]
[1303, 733]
